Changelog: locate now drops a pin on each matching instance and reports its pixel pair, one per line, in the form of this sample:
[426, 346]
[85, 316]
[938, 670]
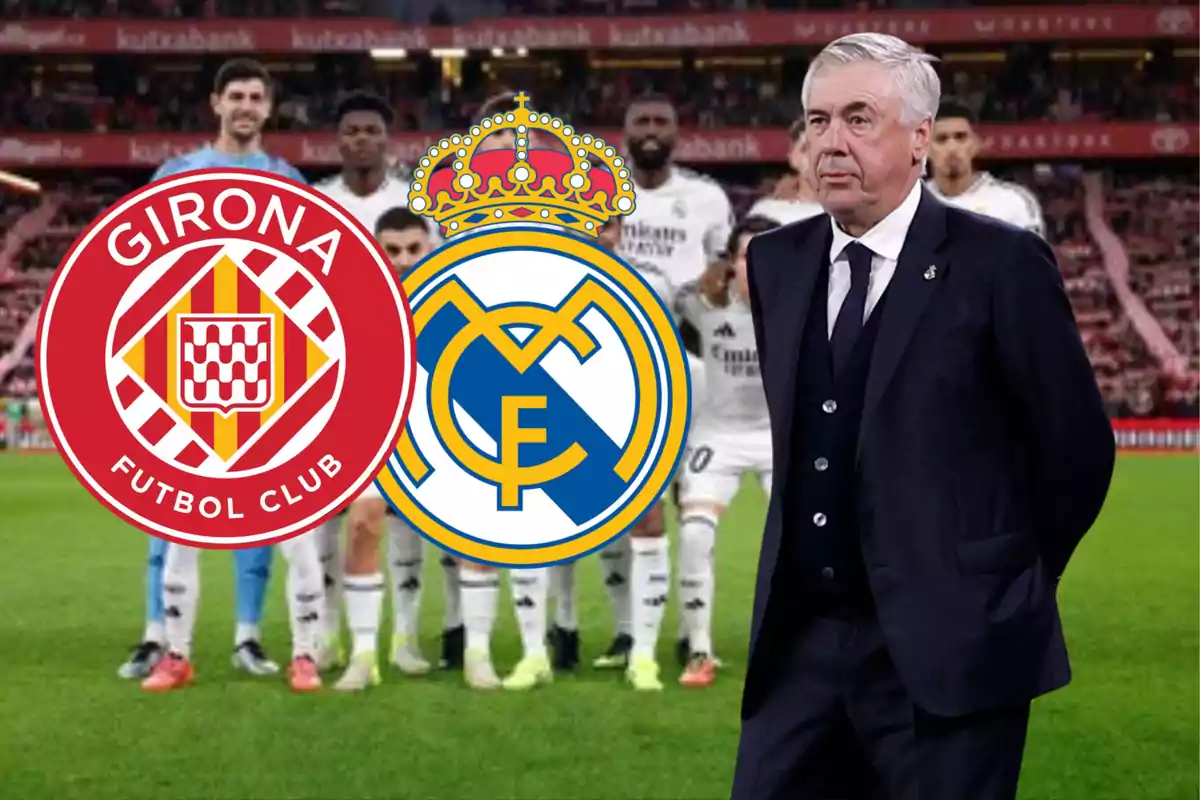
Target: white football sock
[364, 607]
[452, 615]
[615, 560]
[529, 600]
[305, 593]
[696, 537]
[329, 546]
[650, 577]
[155, 632]
[480, 596]
[244, 632]
[406, 556]
[562, 582]
[181, 594]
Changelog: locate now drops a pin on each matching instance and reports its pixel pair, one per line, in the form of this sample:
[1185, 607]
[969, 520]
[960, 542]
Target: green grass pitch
[71, 603]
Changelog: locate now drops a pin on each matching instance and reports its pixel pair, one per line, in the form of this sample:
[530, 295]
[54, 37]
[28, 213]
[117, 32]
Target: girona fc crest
[225, 359]
[225, 362]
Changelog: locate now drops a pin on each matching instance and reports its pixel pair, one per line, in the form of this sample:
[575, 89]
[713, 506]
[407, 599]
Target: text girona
[185, 216]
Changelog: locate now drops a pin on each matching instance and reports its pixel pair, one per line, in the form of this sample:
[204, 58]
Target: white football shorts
[716, 460]
[696, 371]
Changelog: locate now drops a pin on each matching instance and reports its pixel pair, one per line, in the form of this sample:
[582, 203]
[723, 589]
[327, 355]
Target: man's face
[953, 148]
[243, 108]
[740, 282]
[863, 156]
[650, 132]
[798, 156]
[501, 140]
[362, 139]
[610, 235]
[405, 248]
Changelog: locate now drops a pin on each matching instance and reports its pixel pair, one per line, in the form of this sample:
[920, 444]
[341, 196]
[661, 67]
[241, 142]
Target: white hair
[912, 71]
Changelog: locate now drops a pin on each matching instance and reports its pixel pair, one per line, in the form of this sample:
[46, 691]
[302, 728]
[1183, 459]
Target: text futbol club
[216, 309]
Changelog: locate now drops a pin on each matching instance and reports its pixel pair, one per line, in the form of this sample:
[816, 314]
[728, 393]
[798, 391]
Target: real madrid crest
[552, 387]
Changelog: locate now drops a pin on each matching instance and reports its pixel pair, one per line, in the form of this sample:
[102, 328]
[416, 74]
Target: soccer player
[369, 190]
[732, 437]
[480, 583]
[181, 594]
[241, 101]
[955, 180]
[680, 225]
[564, 633]
[793, 199]
[406, 239]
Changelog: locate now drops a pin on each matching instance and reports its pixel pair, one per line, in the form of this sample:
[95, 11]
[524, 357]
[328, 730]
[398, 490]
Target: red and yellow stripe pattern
[225, 289]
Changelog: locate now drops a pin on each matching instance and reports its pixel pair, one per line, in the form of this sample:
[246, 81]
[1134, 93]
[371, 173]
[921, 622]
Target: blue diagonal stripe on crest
[483, 376]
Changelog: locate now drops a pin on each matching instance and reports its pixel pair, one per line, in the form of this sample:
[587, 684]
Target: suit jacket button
[821, 464]
[827, 573]
[829, 406]
[819, 520]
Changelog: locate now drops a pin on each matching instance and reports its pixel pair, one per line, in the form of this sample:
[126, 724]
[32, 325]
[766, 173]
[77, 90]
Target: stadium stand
[1125, 228]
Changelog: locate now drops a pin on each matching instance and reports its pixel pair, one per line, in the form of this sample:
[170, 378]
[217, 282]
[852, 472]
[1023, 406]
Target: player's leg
[181, 595]
[709, 482]
[529, 590]
[698, 377]
[406, 554]
[650, 579]
[253, 567]
[153, 645]
[306, 601]
[615, 561]
[363, 586]
[564, 634]
[329, 549]
[480, 598]
[454, 635]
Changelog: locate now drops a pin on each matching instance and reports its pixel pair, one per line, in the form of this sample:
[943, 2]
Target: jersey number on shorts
[698, 461]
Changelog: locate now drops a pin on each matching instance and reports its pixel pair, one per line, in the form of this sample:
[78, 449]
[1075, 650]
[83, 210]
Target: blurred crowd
[121, 93]
[1156, 218]
[451, 11]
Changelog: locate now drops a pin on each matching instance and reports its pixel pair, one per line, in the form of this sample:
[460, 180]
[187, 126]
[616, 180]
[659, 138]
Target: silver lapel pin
[931, 272]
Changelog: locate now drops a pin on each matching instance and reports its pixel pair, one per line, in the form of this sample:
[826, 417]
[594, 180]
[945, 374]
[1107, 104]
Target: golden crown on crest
[579, 181]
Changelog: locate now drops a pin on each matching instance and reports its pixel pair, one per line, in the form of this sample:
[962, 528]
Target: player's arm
[1029, 211]
[720, 226]
[172, 166]
[291, 172]
[689, 302]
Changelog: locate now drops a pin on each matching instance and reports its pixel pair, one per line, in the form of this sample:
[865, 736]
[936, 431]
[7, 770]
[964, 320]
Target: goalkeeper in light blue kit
[241, 100]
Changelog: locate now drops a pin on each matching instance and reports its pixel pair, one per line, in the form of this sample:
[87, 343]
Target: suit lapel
[796, 280]
[907, 296]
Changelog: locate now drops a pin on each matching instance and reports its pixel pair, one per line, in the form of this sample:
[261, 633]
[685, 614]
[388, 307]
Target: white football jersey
[785, 212]
[367, 210]
[680, 227]
[733, 391]
[992, 197]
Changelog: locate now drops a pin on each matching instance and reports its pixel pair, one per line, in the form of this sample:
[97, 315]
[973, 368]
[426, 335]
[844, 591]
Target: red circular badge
[225, 359]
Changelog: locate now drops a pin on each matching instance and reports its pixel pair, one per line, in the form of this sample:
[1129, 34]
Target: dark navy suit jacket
[984, 455]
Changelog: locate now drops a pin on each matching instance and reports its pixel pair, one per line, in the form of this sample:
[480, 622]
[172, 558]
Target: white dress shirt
[885, 240]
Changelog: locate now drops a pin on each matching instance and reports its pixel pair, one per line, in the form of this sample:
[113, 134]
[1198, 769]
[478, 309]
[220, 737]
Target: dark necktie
[849, 322]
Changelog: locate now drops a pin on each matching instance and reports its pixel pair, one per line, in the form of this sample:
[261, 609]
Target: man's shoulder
[962, 222]
[700, 183]
[183, 162]
[788, 235]
[981, 232]
[1014, 191]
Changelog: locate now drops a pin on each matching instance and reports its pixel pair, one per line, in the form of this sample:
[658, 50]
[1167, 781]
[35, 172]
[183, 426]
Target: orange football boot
[303, 675]
[172, 672]
[701, 671]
